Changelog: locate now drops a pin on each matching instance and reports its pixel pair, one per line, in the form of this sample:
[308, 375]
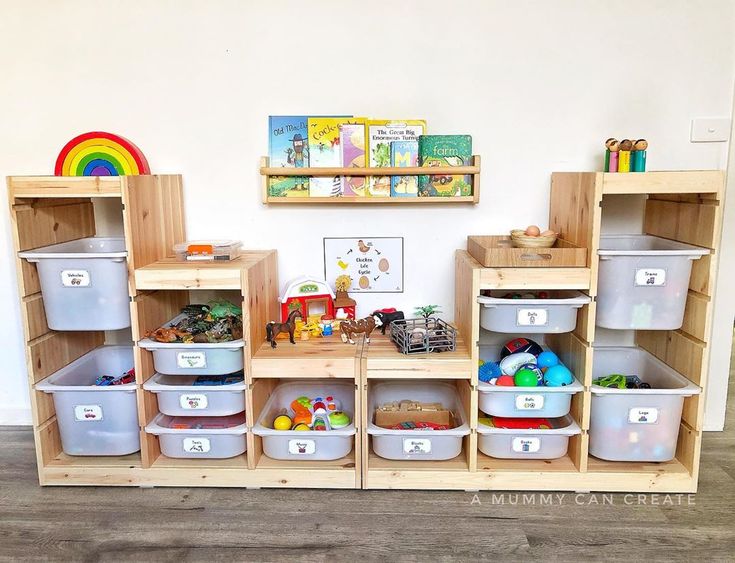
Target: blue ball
[488, 371]
[547, 359]
[558, 376]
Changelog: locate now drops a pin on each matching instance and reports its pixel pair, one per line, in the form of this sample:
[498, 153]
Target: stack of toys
[625, 155]
[357, 142]
[319, 414]
[217, 321]
[125, 378]
[524, 363]
[413, 415]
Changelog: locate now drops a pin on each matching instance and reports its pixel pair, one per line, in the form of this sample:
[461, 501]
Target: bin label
[193, 401]
[532, 317]
[75, 278]
[87, 413]
[417, 445]
[529, 402]
[191, 360]
[526, 445]
[197, 445]
[301, 447]
[650, 277]
[643, 415]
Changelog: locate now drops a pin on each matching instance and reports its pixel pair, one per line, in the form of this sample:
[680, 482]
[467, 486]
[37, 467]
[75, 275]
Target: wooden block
[498, 252]
[55, 350]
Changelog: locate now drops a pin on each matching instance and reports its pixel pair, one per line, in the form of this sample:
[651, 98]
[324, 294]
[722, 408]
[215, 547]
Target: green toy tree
[427, 311]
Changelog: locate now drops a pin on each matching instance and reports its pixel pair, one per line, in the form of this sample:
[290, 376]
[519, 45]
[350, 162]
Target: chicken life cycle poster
[375, 265]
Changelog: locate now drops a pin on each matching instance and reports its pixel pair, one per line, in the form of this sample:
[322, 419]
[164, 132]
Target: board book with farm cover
[325, 151]
[445, 150]
[352, 143]
[380, 134]
[288, 147]
[404, 154]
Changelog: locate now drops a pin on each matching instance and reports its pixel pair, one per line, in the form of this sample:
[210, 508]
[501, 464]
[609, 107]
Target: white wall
[539, 85]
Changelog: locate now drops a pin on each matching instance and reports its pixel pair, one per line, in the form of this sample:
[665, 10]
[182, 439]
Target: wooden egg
[533, 231]
[548, 233]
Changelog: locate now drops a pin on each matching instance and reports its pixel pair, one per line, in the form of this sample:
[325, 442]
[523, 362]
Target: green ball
[525, 378]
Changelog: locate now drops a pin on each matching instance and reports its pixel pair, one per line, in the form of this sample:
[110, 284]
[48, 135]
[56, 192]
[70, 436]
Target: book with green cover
[445, 150]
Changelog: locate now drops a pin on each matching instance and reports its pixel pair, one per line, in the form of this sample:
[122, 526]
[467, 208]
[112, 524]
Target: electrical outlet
[710, 130]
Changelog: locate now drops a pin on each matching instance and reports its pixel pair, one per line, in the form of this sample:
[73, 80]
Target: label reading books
[191, 360]
[301, 447]
[75, 278]
[526, 445]
[650, 277]
[643, 415]
[193, 401]
[416, 445]
[532, 317]
[87, 413]
[529, 402]
[196, 445]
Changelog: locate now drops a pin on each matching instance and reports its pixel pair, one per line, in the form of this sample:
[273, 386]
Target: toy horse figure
[363, 326]
[273, 329]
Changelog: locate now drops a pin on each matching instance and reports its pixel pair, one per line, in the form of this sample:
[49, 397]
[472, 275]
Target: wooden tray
[497, 252]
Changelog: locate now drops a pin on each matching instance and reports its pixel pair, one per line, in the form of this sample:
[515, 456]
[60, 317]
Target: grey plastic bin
[84, 283]
[636, 424]
[554, 315]
[513, 443]
[178, 396]
[95, 420]
[643, 281]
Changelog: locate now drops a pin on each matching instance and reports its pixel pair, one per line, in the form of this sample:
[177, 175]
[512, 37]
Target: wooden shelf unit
[267, 172]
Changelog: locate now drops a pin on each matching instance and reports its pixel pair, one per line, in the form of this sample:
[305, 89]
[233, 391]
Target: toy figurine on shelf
[273, 329]
[365, 326]
[626, 145]
[638, 156]
[625, 155]
[612, 146]
[387, 316]
[342, 300]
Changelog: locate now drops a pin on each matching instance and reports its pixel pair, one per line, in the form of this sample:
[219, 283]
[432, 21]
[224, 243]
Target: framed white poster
[375, 265]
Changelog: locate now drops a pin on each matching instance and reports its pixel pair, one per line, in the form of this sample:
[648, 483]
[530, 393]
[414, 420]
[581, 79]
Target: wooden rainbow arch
[100, 154]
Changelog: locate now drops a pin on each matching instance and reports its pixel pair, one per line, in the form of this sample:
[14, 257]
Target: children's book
[288, 147]
[445, 150]
[352, 142]
[325, 151]
[404, 154]
[380, 134]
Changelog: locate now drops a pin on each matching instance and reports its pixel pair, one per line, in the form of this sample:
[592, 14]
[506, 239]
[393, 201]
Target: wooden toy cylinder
[624, 161]
[638, 161]
[607, 161]
[613, 164]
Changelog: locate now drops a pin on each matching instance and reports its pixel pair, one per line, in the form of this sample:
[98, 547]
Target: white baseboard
[15, 417]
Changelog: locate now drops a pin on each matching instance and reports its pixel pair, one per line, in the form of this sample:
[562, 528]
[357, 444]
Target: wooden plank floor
[115, 524]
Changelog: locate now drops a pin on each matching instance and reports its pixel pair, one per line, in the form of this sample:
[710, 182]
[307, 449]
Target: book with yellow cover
[381, 133]
[325, 151]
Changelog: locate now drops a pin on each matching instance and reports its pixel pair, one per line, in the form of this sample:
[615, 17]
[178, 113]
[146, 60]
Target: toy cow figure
[366, 326]
[387, 316]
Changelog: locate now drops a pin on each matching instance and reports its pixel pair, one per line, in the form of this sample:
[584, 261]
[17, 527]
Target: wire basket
[414, 336]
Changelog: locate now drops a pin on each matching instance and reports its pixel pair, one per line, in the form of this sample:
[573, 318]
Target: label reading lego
[643, 415]
[75, 278]
[529, 402]
[532, 317]
[191, 360]
[87, 413]
[301, 447]
[193, 401]
[197, 445]
[526, 445]
[650, 277]
[416, 445]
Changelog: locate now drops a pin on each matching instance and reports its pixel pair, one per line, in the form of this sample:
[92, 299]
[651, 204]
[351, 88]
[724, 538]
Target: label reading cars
[301, 447]
[643, 415]
[532, 317]
[526, 445]
[87, 413]
[75, 278]
[650, 277]
[191, 360]
[193, 401]
[196, 445]
[416, 446]
[529, 402]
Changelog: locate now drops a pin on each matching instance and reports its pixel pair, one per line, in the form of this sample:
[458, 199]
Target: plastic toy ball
[558, 376]
[535, 369]
[301, 427]
[488, 371]
[511, 364]
[520, 345]
[525, 378]
[282, 422]
[505, 381]
[547, 359]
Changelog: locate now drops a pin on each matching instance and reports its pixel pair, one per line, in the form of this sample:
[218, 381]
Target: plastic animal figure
[387, 316]
[273, 329]
[365, 326]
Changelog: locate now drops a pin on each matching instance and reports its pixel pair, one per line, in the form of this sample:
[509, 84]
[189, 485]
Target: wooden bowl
[520, 239]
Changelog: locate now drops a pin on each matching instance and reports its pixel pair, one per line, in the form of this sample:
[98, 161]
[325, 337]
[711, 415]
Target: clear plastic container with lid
[208, 250]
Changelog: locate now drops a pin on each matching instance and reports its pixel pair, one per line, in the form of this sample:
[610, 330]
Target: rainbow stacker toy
[100, 154]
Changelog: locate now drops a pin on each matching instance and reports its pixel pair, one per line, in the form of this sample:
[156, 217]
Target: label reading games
[529, 402]
[532, 317]
[75, 278]
[526, 445]
[643, 415]
[191, 360]
[416, 446]
[87, 413]
[193, 401]
[650, 277]
[301, 447]
[197, 445]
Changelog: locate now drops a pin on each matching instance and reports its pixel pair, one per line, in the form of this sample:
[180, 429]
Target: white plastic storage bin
[178, 396]
[308, 444]
[643, 282]
[636, 424]
[556, 314]
[95, 420]
[200, 437]
[420, 445]
[513, 443]
[216, 358]
[84, 283]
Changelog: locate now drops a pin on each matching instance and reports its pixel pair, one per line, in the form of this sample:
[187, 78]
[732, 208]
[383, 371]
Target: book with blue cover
[288, 147]
[404, 154]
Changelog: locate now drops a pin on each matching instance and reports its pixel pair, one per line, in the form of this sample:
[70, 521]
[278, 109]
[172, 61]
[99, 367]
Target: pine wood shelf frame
[267, 172]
